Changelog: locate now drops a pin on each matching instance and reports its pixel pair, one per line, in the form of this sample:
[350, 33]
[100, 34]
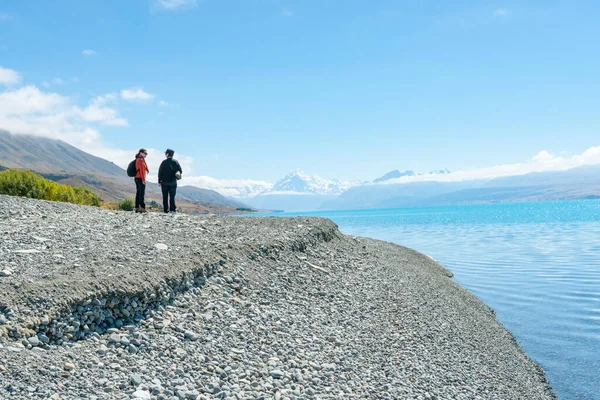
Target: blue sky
[251, 89]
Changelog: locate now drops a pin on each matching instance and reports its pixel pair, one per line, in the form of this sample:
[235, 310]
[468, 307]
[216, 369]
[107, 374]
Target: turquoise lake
[536, 264]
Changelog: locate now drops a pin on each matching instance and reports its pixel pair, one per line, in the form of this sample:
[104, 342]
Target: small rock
[191, 336]
[277, 374]
[34, 341]
[5, 272]
[27, 251]
[114, 338]
[136, 380]
[161, 246]
[141, 394]
[15, 349]
[69, 366]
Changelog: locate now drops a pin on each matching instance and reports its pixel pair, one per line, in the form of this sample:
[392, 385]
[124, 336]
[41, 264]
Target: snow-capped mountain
[299, 182]
[396, 174]
[298, 191]
[439, 172]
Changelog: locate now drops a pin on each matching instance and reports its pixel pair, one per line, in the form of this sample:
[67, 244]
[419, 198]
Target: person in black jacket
[168, 174]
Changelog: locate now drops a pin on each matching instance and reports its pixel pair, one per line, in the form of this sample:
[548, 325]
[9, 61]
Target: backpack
[131, 170]
[176, 174]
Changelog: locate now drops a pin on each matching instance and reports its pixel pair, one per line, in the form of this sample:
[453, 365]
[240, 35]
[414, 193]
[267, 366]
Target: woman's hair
[142, 150]
[170, 152]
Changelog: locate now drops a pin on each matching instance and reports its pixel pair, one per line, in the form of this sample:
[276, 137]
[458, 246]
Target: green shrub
[126, 205]
[15, 182]
[24, 183]
[86, 196]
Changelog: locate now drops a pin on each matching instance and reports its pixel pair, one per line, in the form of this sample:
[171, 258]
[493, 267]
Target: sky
[247, 90]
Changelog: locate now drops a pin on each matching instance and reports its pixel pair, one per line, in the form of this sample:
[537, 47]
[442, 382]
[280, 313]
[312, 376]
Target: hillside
[194, 193]
[249, 307]
[50, 155]
[63, 163]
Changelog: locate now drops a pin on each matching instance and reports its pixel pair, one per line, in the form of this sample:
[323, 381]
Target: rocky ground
[97, 304]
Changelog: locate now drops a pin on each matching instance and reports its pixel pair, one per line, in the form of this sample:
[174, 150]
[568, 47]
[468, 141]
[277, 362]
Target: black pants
[169, 192]
[140, 193]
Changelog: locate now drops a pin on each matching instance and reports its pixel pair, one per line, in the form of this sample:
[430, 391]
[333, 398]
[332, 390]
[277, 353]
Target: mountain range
[297, 191]
[300, 192]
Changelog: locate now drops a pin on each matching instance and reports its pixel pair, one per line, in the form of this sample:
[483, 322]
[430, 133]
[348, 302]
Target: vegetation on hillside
[126, 205]
[15, 182]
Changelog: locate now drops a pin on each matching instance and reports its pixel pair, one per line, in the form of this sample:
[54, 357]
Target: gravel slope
[187, 307]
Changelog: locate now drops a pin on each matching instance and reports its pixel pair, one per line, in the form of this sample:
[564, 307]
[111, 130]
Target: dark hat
[170, 152]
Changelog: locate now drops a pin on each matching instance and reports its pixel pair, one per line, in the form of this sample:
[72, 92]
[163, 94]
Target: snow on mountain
[439, 172]
[394, 175]
[294, 183]
[297, 182]
[391, 176]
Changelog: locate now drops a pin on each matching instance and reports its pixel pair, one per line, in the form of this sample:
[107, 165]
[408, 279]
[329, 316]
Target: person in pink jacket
[142, 170]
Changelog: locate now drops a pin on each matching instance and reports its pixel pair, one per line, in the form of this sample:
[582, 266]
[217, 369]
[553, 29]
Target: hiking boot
[142, 210]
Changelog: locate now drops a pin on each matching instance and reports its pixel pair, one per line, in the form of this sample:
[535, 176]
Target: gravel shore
[99, 304]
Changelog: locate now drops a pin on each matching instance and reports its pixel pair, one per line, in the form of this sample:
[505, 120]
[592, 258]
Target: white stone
[141, 394]
[27, 251]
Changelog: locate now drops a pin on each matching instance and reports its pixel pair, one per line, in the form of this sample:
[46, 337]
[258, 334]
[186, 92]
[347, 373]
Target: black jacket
[166, 172]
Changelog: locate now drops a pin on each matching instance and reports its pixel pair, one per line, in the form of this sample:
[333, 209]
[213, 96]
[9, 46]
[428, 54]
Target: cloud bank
[228, 187]
[541, 162]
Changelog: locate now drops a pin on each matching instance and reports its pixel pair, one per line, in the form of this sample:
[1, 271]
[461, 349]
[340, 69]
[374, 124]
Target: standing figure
[168, 175]
[141, 170]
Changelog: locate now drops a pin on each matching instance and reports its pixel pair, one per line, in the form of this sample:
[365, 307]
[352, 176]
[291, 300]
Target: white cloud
[541, 162]
[9, 76]
[55, 81]
[105, 115]
[136, 94]
[104, 99]
[32, 111]
[501, 12]
[88, 52]
[29, 110]
[176, 4]
[163, 103]
[228, 187]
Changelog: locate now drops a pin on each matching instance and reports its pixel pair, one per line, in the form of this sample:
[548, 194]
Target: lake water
[536, 264]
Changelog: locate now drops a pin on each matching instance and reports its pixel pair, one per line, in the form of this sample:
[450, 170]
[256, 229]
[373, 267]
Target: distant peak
[297, 172]
[394, 175]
